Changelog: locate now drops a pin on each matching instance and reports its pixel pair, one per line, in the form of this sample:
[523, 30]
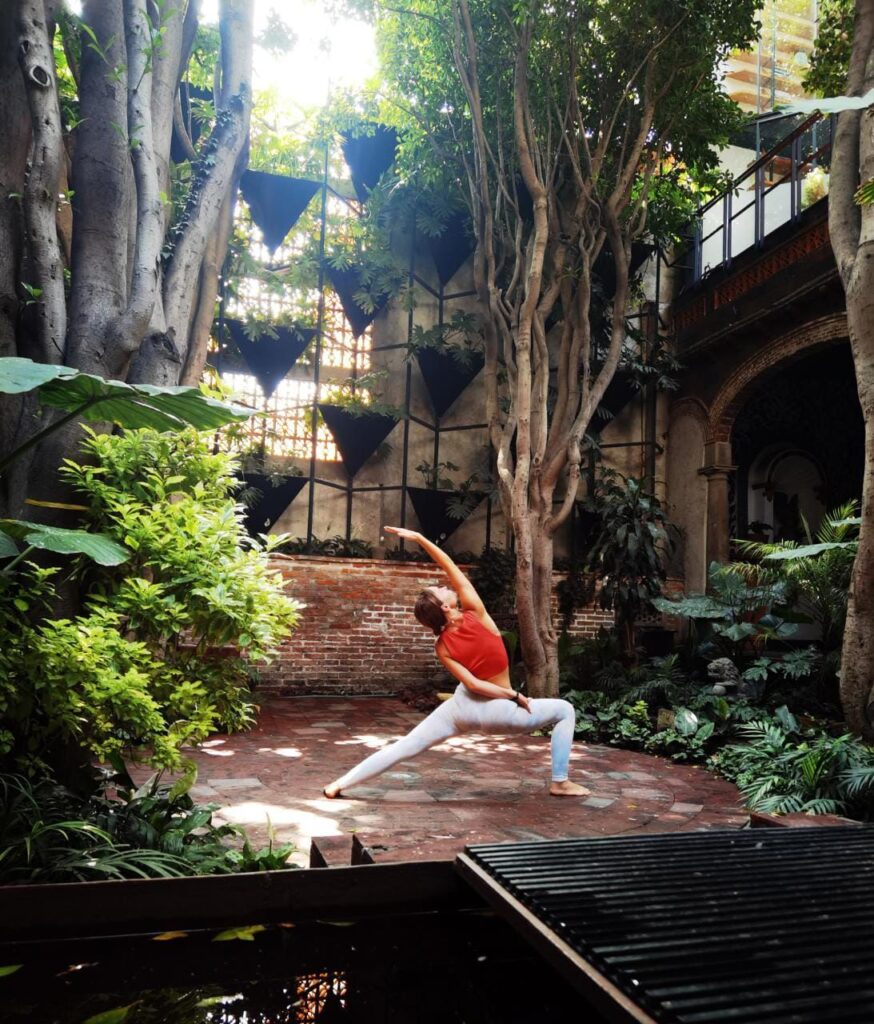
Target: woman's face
[446, 596]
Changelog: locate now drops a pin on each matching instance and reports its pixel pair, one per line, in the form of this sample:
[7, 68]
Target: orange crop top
[471, 644]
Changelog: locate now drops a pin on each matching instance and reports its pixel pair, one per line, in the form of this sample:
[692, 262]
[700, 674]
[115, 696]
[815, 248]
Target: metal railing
[774, 190]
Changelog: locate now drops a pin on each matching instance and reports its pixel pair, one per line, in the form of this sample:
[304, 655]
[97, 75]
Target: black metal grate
[771, 925]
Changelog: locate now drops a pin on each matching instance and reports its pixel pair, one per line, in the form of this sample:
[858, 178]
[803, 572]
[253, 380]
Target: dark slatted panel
[763, 925]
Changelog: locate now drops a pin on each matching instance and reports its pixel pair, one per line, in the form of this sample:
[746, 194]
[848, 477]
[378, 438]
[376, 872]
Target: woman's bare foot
[331, 791]
[568, 788]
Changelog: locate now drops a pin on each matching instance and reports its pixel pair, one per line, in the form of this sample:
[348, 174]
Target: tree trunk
[547, 680]
[851, 228]
[857, 655]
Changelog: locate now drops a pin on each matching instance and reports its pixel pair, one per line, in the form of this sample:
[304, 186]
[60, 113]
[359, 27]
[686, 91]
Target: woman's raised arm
[467, 595]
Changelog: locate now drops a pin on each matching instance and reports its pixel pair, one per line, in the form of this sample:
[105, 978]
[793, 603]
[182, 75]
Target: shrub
[160, 653]
[49, 834]
[783, 768]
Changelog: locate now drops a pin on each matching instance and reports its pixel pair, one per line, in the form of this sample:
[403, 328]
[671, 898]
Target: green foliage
[737, 617]
[431, 474]
[334, 547]
[658, 368]
[43, 838]
[783, 768]
[460, 338]
[830, 61]
[576, 590]
[465, 498]
[629, 554]
[87, 397]
[359, 396]
[697, 728]
[49, 834]
[494, 577]
[818, 571]
[37, 536]
[160, 654]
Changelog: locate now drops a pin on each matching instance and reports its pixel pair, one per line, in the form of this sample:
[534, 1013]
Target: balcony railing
[772, 191]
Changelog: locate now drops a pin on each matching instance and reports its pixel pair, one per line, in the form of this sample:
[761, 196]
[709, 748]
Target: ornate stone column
[717, 469]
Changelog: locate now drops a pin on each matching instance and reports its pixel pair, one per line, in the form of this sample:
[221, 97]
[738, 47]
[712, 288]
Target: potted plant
[441, 505]
[266, 489]
[629, 553]
[269, 350]
[357, 419]
[449, 355]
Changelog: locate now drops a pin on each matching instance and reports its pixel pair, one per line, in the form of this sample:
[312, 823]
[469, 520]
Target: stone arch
[688, 406]
[789, 346]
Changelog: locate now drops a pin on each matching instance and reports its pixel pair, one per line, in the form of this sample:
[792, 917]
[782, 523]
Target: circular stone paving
[470, 789]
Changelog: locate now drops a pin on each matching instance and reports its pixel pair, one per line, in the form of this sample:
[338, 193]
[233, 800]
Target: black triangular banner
[346, 283]
[587, 527]
[357, 436]
[431, 509]
[264, 508]
[275, 202]
[369, 157]
[450, 249]
[605, 269]
[445, 377]
[270, 359]
[620, 391]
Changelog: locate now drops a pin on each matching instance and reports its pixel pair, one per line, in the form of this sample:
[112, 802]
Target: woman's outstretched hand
[402, 532]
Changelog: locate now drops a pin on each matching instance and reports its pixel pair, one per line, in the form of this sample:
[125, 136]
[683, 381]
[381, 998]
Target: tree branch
[150, 221]
[102, 183]
[844, 216]
[43, 268]
[222, 161]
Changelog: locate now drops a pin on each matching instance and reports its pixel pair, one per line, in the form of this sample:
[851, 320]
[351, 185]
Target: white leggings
[466, 712]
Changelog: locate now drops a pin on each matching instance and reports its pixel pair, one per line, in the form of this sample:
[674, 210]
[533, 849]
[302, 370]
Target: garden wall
[357, 633]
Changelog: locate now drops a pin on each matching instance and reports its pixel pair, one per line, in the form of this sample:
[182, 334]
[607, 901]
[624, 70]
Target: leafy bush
[737, 617]
[494, 577]
[630, 550]
[461, 337]
[160, 652]
[698, 728]
[49, 834]
[691, 731]
[45, 838]
[818, 574]
[783, 768]
[334, 547]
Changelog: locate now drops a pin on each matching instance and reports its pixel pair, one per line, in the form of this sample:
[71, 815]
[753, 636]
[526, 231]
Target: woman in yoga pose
[469, 644]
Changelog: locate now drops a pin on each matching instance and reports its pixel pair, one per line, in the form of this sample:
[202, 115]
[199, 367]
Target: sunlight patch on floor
[373, 742]
[254, 812]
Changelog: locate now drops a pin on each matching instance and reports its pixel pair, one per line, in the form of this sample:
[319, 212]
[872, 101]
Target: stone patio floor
[470, 789]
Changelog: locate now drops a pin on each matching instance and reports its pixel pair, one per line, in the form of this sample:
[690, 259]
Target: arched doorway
[798, 444]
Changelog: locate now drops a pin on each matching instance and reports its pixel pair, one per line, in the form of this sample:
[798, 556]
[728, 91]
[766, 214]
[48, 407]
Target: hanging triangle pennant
[450, 249]
[357, 436]
[369, 157]
[268, 358]
[620, 392]
[431, 508]
[276, 201]
[445, 377]
[605, 268]
[346, 283]
[267, 499]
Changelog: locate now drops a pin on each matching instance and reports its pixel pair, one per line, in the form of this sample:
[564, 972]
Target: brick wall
[358, 634]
